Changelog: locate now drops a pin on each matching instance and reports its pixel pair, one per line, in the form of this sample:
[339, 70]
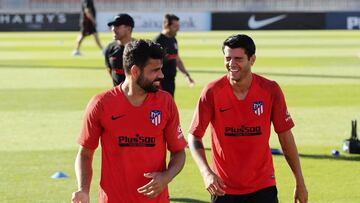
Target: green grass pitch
[44, 90]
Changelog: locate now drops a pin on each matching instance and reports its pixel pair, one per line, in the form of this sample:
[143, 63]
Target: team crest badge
[155, 117]
[258, 107]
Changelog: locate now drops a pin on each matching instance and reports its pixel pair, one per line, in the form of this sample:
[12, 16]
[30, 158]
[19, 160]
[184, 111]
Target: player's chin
[234, 77]
[234, 74]
[155, 88]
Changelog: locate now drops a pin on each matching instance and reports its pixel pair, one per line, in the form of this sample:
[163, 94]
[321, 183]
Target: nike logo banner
[267, 21]
[256, 24]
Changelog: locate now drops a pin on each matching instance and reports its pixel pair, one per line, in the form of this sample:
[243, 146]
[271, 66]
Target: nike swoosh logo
[223, 110]
[116, 117]
[256, 24]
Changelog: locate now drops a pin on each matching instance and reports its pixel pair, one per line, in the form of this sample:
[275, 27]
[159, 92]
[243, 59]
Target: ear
[253, 59]
[135, 71]
[129, 28]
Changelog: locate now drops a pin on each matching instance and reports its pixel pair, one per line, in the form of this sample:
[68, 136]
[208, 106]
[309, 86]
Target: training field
[44, 90]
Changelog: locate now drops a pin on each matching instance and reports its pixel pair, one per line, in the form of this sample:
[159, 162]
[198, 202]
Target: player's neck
[135, 94]
[124, 40]
[241, 88]
[166, 33]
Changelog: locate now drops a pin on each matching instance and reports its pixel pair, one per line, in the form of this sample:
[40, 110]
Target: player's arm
[107, 61]
[159, 180]
[289, 149]
[83, 170]
[90, 15]
[181, 67]
[214, 185]
[109, 71]
[176, 144]
[176, 164]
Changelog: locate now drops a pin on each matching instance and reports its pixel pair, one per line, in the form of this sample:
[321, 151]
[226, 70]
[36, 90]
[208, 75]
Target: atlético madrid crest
[155, 117]
[258, 107]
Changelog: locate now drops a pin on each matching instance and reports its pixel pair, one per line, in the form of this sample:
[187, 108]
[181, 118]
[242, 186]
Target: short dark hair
[169, 18]
[240, 41]
[138, 52]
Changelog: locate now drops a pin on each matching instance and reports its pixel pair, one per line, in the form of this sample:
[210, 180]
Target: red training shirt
[133, 142]
[240, 131]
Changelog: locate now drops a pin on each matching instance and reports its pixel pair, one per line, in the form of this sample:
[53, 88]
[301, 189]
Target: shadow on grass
[323, 156]
[187, 200]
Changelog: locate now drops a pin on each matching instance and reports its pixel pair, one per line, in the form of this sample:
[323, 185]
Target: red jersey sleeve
[91, 128]
[280, 116]
[203, 113]
[173, 134]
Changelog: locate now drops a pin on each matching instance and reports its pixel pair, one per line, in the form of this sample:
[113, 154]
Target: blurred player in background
[87, 25]
[122, 26]
[172, 59]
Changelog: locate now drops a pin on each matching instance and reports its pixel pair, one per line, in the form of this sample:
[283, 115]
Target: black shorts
[266, 195]
[87, 28]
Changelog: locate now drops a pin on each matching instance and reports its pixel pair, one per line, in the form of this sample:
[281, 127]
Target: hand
[156, 185]
[300, 194]
[190, 81]
[80, 197]
[214, 184]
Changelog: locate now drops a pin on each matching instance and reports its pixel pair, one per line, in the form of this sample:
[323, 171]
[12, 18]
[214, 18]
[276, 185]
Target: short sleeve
[173, 134]
[280, 116]
[91, 128]
[203, 113]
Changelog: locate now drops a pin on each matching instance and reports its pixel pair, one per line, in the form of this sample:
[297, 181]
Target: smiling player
[240, 107]
[136, 124]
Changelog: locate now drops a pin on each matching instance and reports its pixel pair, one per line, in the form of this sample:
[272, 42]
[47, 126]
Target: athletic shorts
[266, 195]
[87, 28]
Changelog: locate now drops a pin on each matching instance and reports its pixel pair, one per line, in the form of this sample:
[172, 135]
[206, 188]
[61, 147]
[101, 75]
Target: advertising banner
[39, 22]
[267, 21]
[343, 20]
[152, 22]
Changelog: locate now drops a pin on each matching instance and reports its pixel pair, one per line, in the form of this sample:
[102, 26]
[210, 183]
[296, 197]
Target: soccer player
[136, 124]
[121, 26]
[240, 107]
[172, 59]
[87, 25]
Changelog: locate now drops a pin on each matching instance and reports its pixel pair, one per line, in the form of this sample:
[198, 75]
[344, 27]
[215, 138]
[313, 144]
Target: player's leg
[91, 30]
[97, 40]
[79, 39]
